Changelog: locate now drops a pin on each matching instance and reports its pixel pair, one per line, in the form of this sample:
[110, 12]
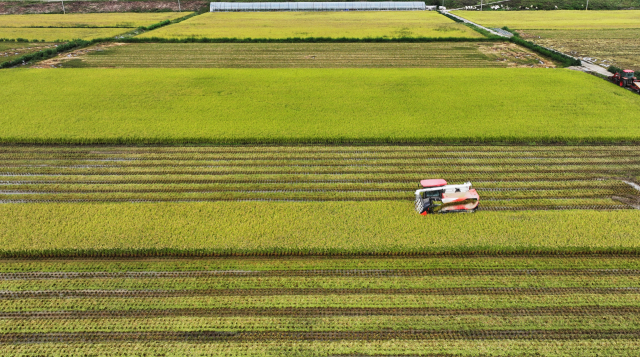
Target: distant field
[356, 24]
[12, 50]
[88, 20]
[564, 19]
[306, 55]
[63, 34]
[311, 105]
[618, 47]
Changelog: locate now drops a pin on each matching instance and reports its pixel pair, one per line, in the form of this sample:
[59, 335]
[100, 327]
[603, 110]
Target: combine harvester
[438, 197]
[626, 79]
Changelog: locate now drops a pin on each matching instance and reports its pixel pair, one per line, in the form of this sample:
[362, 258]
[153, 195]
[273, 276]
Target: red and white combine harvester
[436, 196]
[626, 79]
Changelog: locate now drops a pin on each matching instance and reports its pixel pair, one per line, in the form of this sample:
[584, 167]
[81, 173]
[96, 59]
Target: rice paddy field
[618, 47]
[60, 34]
[304, 55]
[275, 199]
[555, 20]
[333, 24]
[256, 199]
[62, 28]
[314, 306]
[313, 105]
[127, 20]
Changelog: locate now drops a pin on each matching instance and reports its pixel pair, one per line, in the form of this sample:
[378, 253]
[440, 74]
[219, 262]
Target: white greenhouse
[320, 6]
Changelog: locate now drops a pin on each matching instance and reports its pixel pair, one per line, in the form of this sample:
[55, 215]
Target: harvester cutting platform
[626, 79]
[438, 197]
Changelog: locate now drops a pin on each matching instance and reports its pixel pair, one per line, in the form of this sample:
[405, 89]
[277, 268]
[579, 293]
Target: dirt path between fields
[62, 57]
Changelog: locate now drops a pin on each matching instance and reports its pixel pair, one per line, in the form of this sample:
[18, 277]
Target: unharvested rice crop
[60, 34]
[565, 19]
[313, 105]
[355, 24]
[81, 198]
[313, 306]
[308, 55]
[89, 20]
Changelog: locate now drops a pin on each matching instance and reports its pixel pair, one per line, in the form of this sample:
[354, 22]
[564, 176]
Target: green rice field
[555, 20]
[355, 24]
[314, 306]
[276, 199]
[308, 55]
[60, 34]
[128, 20]
[313, 105]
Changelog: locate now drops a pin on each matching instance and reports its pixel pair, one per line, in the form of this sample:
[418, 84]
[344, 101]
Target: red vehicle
[436, 196]
[626, 79]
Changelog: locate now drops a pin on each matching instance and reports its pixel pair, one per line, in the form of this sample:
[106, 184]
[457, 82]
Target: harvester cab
[626, 79]
[436, 196]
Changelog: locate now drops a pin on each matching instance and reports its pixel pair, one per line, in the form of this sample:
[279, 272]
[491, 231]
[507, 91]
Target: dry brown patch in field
[515, 56]
[619, 47]
[77, 54]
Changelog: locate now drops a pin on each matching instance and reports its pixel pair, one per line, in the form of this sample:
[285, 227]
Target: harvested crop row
[495, 298]
[379, 348]
[293, 312]
[338, 305]
[210, 336]
[315, 162]
[48, 296]
[308, 55]
[323, 324]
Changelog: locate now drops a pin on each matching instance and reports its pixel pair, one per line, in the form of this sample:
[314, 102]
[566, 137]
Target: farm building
[321, 6]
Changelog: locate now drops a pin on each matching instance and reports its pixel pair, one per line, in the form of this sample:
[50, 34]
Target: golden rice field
[63, 34]
[88, 20]
[562, 19]
[357, 24]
